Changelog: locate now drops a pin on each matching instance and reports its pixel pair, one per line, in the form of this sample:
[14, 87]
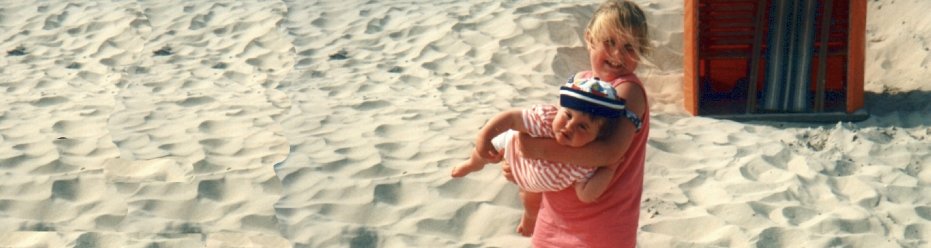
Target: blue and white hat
[591, 96]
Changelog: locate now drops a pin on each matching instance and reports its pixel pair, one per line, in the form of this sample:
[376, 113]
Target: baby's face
[574, 128]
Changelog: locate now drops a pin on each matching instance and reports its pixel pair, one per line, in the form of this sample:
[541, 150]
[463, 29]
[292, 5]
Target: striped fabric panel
[539, 120]
[539, 176]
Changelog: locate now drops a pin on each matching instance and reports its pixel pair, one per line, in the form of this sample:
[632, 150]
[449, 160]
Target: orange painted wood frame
[855, 55]
[690, 55]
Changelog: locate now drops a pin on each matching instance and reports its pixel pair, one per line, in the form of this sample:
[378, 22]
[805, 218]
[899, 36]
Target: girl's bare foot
[526, 225]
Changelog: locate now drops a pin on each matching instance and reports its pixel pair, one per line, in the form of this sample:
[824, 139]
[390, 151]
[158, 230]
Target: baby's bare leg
[531, 202]
[475, 163]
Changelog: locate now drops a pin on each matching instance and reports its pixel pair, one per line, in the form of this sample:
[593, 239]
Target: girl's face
[611, 57]
[574, 128]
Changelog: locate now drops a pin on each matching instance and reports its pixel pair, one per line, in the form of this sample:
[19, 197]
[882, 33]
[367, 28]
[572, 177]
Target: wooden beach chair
[730, 60]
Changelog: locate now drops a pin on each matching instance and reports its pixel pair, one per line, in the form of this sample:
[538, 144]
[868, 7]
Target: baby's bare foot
[466, 168]
[526, 225]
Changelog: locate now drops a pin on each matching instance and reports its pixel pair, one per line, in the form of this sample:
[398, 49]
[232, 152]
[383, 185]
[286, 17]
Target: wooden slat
[732, 53]
[725, 54]
[729, 24]
[724, 1]
[729, 36]
[727, 8]
[711, 34]
[727, 43]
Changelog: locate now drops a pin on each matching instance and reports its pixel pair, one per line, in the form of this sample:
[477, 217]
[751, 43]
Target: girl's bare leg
[531, 202]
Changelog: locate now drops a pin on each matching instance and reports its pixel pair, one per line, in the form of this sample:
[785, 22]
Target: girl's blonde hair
[620, 18]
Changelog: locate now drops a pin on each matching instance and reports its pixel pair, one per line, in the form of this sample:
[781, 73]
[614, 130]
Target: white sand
[335, 124]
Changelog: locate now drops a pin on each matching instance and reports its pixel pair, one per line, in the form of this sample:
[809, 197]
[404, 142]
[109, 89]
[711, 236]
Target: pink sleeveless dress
[564, 221]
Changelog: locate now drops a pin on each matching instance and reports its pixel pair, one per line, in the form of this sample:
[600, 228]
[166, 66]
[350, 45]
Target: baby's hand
[506, 170]
[487, 151]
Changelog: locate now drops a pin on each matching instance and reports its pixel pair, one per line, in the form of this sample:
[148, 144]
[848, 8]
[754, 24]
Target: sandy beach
[336, 124]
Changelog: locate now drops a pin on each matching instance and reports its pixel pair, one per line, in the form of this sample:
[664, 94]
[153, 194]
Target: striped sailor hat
[591, 96]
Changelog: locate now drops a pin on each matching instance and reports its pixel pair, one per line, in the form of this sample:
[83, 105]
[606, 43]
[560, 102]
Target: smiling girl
[616, 37]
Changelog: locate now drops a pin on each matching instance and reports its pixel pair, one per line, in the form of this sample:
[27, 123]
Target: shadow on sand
[908, 109]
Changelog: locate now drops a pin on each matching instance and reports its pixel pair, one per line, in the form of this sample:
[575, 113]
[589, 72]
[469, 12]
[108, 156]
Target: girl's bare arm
[592, 189]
